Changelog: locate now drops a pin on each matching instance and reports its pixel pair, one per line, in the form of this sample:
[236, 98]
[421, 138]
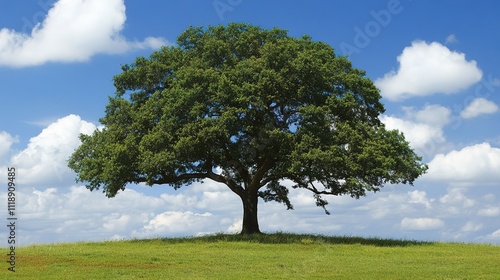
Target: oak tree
[250, 108]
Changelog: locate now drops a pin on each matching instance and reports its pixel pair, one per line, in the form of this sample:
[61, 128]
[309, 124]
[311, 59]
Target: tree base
[248, 232]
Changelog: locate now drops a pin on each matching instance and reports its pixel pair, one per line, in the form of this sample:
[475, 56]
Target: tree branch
[256, 184]
[306, 185]
[176, 179]
[269, 179]
[209, 175]
[240, 168]
[242, 171]
[227, 181]
[316, 191]
[296, 180]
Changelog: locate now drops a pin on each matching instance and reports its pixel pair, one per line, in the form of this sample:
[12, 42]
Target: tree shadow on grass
[291, 238]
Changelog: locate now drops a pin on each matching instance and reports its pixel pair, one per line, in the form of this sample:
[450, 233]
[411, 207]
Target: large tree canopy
[250, 108]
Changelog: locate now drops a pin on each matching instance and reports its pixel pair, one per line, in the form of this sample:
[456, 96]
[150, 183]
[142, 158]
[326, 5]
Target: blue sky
[436, 63]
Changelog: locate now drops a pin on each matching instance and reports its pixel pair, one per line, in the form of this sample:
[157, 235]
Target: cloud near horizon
[426, 69]
[73, 31]
[54, 209]
[421, 223]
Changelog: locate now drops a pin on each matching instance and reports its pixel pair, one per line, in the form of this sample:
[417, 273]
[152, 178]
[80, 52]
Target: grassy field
[270, 256]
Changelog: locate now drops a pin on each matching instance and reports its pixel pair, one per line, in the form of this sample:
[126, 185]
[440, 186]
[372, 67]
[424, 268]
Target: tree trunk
[250, 221]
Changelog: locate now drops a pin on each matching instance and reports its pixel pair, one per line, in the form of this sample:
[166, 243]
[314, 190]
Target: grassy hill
[270, 256]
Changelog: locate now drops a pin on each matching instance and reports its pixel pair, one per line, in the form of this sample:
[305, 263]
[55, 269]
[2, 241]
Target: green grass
[269, 256]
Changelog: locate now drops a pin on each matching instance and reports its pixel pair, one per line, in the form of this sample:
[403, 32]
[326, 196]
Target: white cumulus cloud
[489, 212]
[473, 164]
[76, 214]
[456, 198]
[493, 236]
[420, 197]
[472, 227]
[72, 31]
[6, 141]
[421, 224]
[177, 222]
[422, 128]
[431, 114]
[479, 106]
[44, 161]
[428, 68]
